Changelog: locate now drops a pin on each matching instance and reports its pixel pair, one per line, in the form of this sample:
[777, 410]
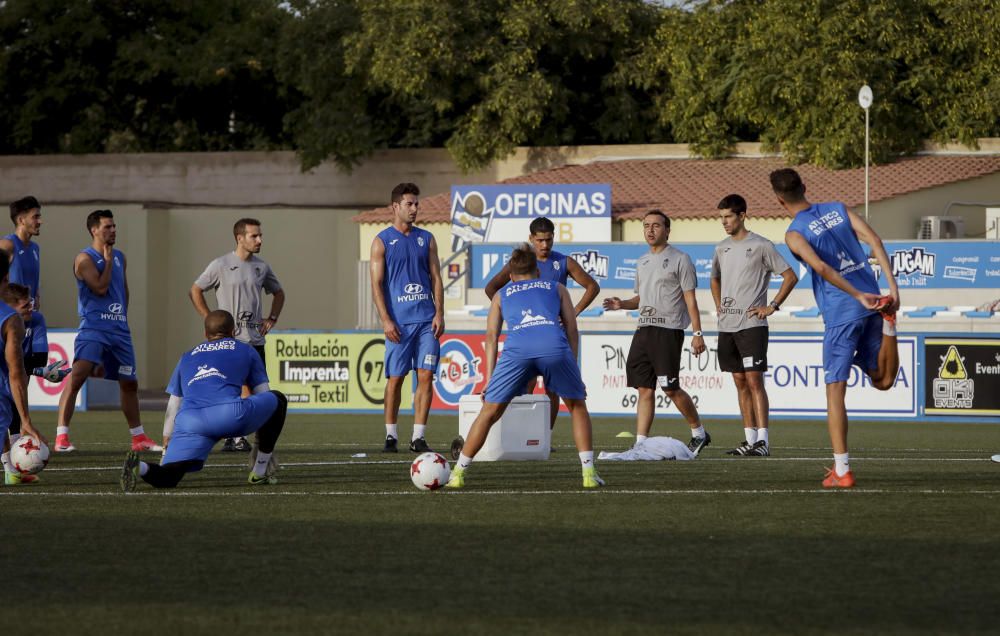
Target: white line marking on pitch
[741, 460]
[475, 493]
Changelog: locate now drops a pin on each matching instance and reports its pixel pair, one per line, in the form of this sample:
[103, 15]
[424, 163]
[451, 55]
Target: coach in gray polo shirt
[665, 281]
[238, 279]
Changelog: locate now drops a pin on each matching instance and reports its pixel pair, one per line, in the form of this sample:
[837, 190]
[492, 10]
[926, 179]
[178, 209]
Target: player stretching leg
[552, 265]
[205, 406]
[536, 344]
[859, 323]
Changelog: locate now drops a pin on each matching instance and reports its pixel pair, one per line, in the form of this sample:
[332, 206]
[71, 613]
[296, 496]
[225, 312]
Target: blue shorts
[197, 430]
[113, 352]
[560, 372]
[417, 349]
[856, 342]
[7, 410]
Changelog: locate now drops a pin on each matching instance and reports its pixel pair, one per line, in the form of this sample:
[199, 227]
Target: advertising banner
[43, 394]
[918, 265]
[794, 380]
[502, 213]
[611, 264]
[945, 264]
[962, 376]
[330, 371]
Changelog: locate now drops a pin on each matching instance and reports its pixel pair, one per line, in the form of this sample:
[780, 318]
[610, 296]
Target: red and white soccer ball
[430, 471]
[29, 455]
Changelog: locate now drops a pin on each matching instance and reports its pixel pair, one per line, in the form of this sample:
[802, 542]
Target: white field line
[569, 447]
[742, 460]
[489, 493]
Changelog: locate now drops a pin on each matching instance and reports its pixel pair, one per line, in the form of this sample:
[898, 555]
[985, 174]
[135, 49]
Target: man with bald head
[205, 406]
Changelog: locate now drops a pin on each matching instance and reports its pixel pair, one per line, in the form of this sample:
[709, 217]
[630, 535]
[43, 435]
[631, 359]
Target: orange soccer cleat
[838, 481]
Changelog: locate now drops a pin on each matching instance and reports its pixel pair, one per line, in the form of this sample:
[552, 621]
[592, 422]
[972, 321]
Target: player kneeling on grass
[205, 406]
[536, 345]
[18, 297]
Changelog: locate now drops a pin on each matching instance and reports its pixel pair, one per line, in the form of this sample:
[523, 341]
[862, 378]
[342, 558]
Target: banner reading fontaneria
[330, 371]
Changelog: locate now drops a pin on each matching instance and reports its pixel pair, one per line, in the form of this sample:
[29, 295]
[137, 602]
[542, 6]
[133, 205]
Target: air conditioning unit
[941, 227]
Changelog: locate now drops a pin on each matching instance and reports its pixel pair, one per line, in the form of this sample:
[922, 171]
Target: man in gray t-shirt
[741, 272]
[238, 279]
[665, 281]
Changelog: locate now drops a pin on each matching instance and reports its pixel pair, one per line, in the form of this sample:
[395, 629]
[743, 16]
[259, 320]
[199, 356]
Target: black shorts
[742, 351]
[260, 352]
[654, 358]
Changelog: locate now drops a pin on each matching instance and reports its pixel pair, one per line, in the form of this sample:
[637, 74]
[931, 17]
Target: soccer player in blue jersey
[552, 265]
[18, 297]
[536, 344]
[409, 297]
[859, 322]
[205, 406]
[13, 379]
[25, 268]
[103, 341]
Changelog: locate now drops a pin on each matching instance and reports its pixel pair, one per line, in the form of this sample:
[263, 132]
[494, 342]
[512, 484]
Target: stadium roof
[691, 188]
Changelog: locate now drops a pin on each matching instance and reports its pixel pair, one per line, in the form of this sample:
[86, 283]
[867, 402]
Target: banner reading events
[330, 371]
[962, 376]
[794, 380]
[485, 213]
[916, 264]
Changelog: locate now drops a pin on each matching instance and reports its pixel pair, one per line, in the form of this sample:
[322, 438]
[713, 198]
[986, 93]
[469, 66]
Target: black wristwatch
[775, 306]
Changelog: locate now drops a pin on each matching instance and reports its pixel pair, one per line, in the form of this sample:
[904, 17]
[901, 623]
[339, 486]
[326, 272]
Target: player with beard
[104, 340]
[239, 278]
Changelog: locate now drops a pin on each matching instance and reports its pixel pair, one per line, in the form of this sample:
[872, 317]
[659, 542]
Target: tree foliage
[480, 76]
[142, 75]
[339, 79]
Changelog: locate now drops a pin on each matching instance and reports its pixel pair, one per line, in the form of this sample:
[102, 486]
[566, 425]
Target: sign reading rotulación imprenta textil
[502, 213]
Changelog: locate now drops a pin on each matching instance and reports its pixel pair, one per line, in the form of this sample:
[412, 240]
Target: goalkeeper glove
[52, 372]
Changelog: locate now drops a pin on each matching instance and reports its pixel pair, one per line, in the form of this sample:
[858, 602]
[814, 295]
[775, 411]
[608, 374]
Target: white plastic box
[521, 434]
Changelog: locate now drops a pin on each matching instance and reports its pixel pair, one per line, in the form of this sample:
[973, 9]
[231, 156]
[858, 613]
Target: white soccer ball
[29, 455]
[430, 471]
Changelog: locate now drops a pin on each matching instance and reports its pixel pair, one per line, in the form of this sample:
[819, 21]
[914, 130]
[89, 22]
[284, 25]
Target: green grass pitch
[348, 546]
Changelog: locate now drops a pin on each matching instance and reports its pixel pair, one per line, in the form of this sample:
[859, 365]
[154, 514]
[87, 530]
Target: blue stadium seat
[633, 314]
[926, 312]
[480, 312]
[593, 312]
[812, 312]
[979, 314]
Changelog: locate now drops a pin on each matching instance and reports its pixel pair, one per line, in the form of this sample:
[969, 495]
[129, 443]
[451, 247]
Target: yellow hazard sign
[951, 366]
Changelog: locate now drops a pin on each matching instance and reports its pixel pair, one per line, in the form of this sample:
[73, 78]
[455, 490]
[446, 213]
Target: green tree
[139, 76]
[480, 76]
[787, 73]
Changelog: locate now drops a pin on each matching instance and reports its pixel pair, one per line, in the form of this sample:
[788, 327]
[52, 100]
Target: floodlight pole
[865, 99]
